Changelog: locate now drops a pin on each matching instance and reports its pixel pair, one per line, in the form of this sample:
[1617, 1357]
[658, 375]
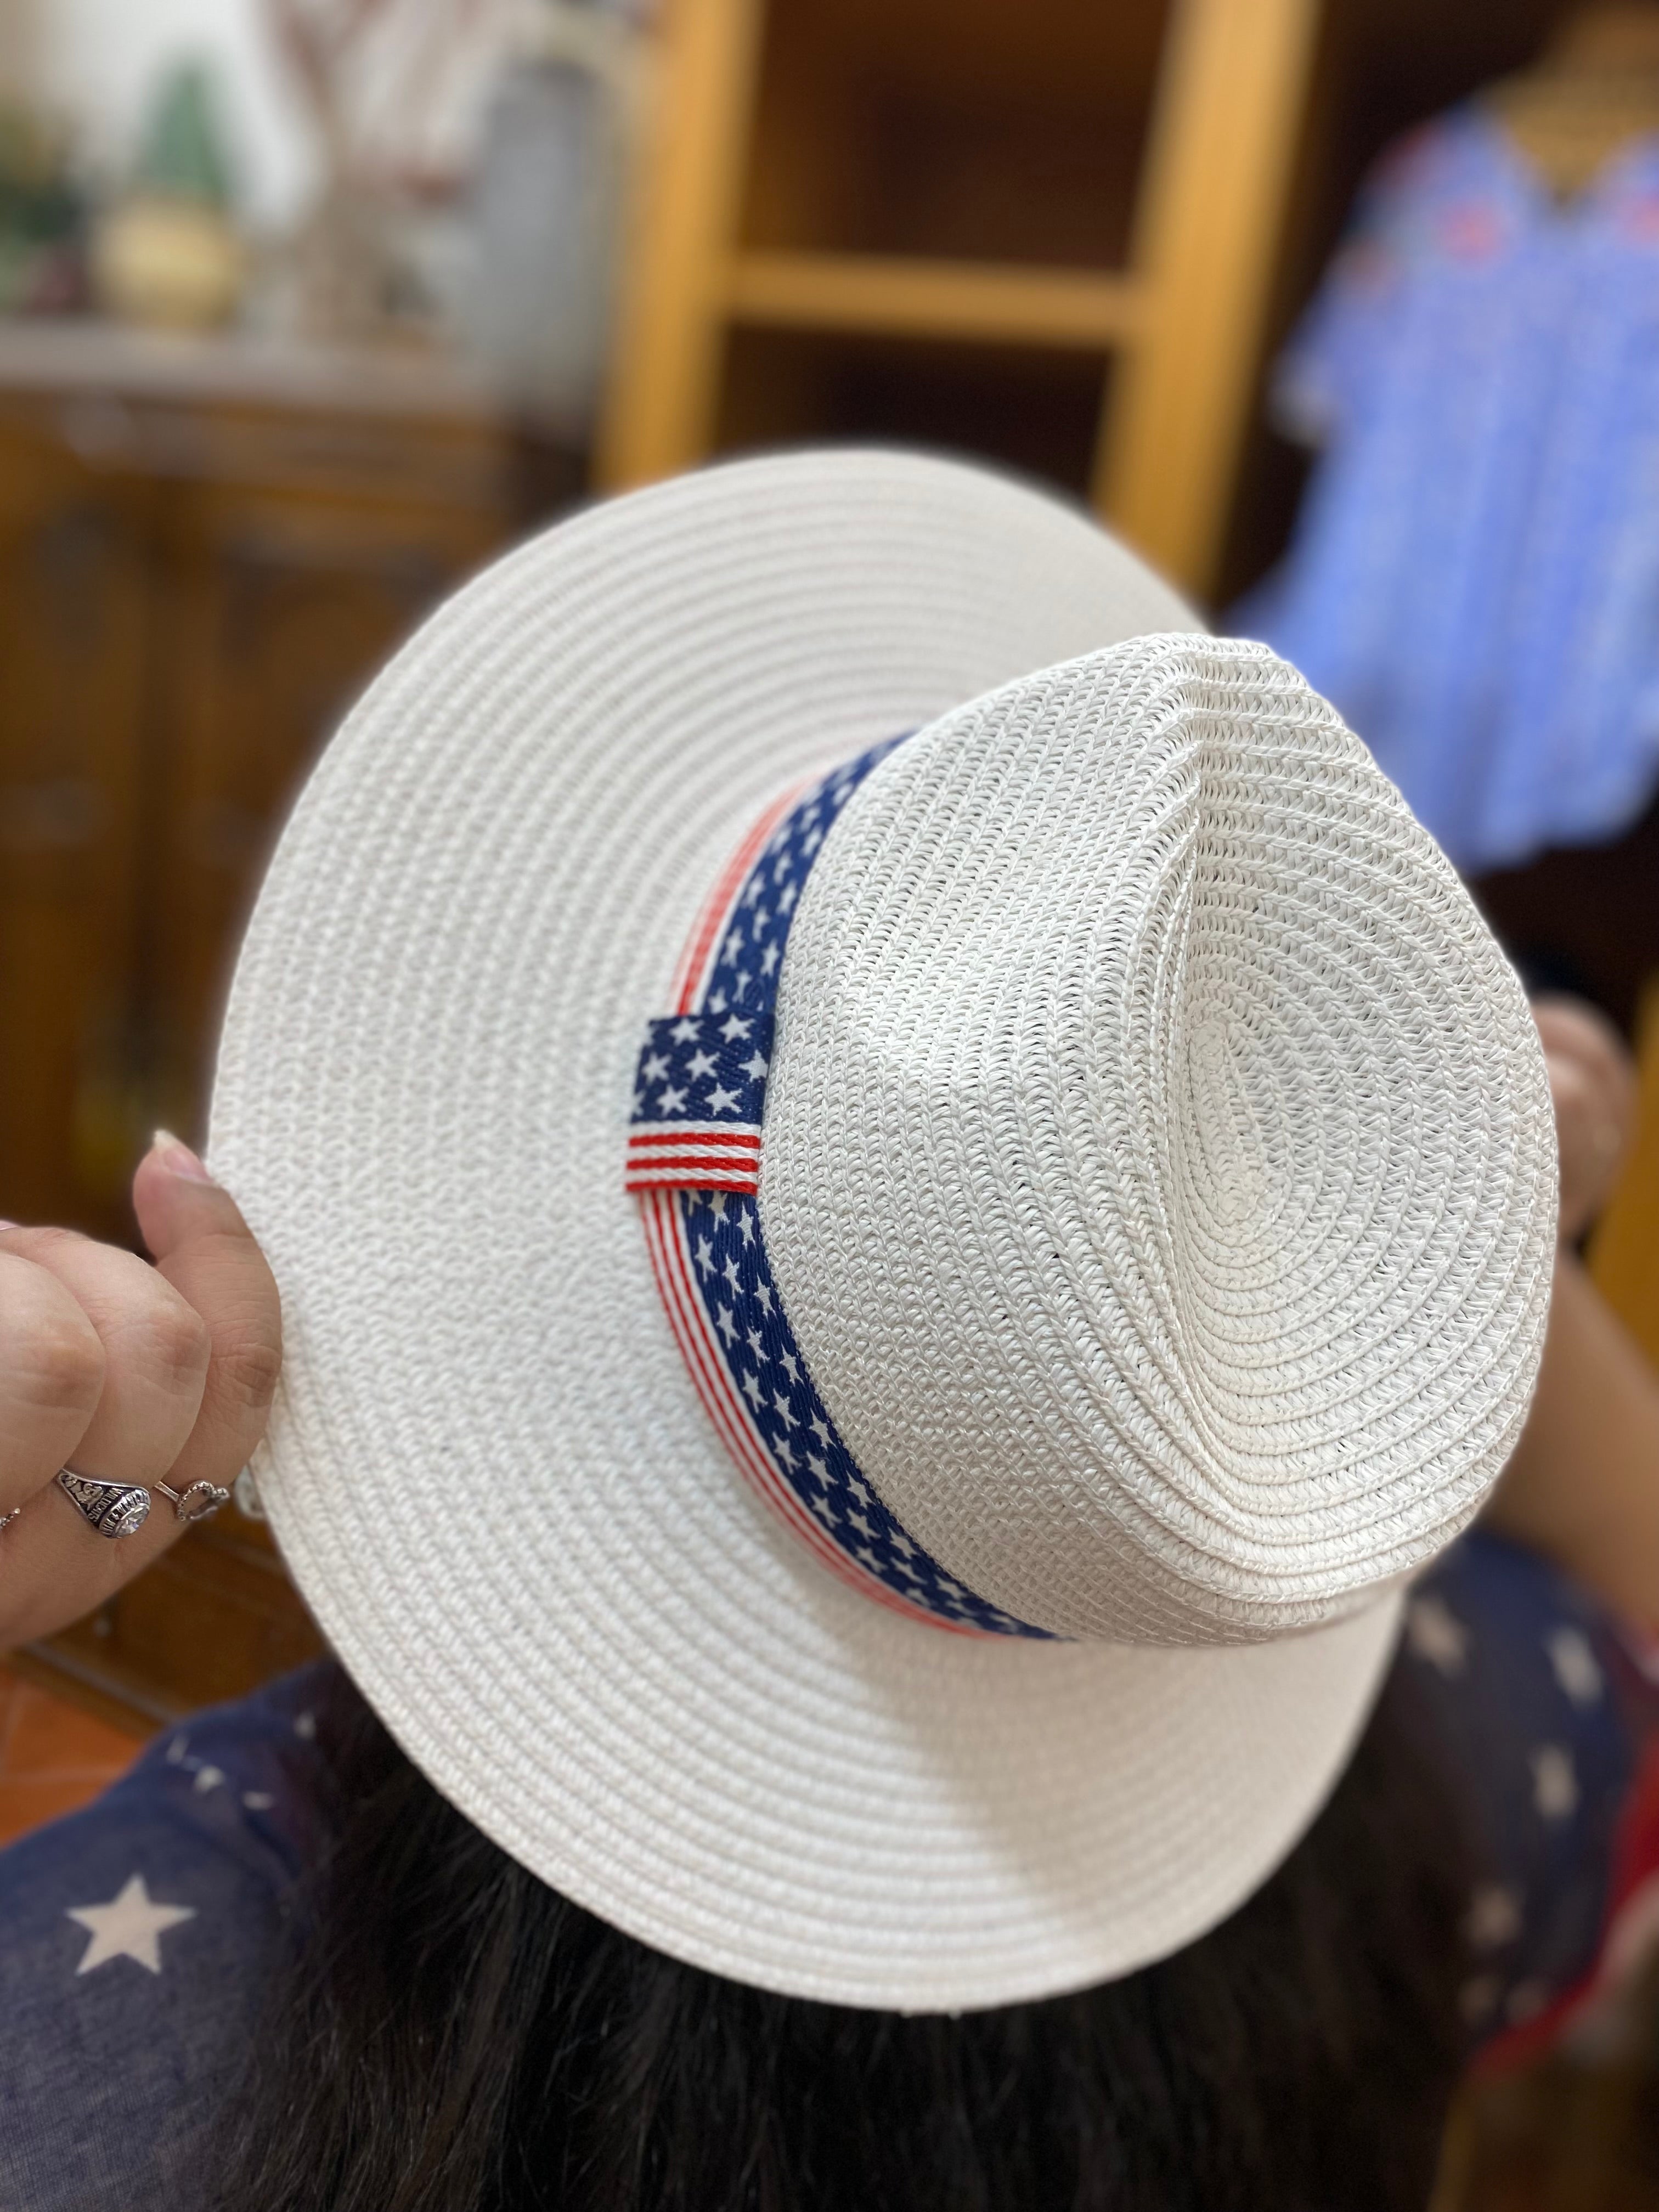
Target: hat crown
[1158, 1169]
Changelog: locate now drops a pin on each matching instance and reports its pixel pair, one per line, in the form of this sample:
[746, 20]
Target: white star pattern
[710, 1067]
[1574, 1666]
[1554, 1784]
[130, 1926]
[1494, 1916]
[1434, 1633]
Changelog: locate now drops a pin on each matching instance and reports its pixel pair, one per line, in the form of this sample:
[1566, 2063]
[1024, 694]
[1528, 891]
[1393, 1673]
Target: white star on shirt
[1494, 1916]
[655, 1069]
[1574, 1666]
[720, 1100]
[705, 1255]
[788, 899]
[764, 1297]
[684, 1030]
[768, 959]
[130, 1926]
[820, 1428]
[1434, 1633]
[730, 1271]
[732, 1028]
[700, 1064]
[755, 1067]
[1554, 1784]
[726, 1326]
[672, 1100]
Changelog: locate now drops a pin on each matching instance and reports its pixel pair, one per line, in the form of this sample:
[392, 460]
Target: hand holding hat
[134, 1379]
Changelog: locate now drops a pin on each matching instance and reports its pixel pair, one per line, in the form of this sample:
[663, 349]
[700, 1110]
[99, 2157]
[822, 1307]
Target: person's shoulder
[135, 1937]
[1523, 1688]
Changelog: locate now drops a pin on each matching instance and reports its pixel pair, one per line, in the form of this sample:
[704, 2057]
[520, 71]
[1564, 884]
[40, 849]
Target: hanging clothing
[1474, 580]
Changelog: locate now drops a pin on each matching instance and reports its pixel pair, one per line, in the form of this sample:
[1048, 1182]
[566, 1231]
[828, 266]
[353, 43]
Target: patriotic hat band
[862, 1385]
[694, 1157]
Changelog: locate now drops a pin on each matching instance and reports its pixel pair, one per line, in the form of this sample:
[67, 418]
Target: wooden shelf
[882, 295]
[825, 186]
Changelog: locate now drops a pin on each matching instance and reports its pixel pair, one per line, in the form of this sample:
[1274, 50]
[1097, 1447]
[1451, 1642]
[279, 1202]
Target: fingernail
[177, 1157]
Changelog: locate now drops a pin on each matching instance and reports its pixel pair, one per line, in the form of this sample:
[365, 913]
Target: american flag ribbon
[694, 1155]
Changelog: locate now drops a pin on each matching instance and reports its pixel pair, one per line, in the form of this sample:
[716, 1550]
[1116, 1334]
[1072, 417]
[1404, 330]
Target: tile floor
[52, 1756]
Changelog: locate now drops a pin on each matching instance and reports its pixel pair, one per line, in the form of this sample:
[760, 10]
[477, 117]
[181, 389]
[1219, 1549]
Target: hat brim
[488, 1468]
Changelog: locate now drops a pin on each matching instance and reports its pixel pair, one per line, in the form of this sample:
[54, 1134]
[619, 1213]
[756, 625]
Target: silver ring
[113, 1509]
[6, 1519]
[199, 1503]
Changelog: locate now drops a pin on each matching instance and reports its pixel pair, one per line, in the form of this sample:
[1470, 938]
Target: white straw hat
[959, 1574]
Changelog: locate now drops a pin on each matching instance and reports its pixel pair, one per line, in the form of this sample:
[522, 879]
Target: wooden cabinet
[205, 552]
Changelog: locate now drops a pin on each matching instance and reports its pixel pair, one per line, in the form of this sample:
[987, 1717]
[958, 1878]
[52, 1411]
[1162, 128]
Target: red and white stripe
[700, 1155]
[668, 1244]
[653, 1167]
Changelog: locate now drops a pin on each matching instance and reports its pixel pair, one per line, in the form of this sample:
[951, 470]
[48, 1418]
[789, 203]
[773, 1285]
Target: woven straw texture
[488, 1468]
[1159, 1170]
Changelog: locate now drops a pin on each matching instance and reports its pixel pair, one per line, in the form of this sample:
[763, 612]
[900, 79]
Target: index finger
[205, 1249]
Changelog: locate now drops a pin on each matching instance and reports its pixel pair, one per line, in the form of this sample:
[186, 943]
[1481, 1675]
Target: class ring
[113, 1509]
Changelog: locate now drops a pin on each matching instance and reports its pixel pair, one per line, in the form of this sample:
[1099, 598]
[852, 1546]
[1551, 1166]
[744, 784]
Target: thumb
[207, 1252]
[178, 1202]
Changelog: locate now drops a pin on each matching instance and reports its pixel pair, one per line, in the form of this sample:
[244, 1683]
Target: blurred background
[1345, 312]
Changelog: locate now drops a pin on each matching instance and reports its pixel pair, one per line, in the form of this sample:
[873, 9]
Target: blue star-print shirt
[137, 1937]
[1474, 580]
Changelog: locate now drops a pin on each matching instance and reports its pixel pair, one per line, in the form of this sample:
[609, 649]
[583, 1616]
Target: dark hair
[455, 2037]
